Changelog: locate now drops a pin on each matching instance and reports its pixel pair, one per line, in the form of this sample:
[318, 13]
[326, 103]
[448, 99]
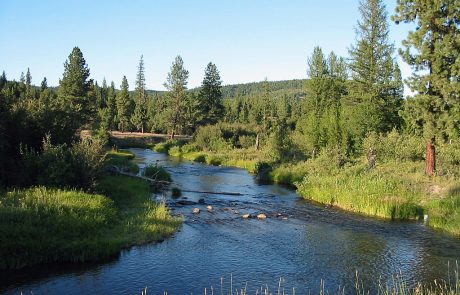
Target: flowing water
[297, 246]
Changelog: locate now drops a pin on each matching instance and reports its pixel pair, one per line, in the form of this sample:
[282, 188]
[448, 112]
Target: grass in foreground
[43, 225]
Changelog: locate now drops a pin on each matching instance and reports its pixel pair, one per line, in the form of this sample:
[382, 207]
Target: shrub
[246, 141]
[210, 137]
[157, 173]
[75, 166]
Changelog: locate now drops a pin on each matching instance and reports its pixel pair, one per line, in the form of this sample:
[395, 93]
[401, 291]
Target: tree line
[336, 108]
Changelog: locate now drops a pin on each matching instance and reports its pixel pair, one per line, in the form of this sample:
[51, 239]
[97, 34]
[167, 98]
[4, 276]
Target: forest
[344, 135]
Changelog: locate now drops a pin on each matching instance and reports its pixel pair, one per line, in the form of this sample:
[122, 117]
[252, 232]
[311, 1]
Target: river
[298, 245]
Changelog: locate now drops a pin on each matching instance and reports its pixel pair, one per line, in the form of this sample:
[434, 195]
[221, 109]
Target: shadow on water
[299, 241]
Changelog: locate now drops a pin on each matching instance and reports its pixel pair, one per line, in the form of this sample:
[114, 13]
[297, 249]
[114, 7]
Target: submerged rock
[201, 201]
[185, 202]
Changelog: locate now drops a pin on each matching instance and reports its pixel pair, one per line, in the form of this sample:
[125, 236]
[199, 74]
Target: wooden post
[430, 158]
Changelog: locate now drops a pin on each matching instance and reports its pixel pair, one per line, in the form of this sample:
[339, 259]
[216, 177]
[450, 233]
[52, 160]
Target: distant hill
[294, 88]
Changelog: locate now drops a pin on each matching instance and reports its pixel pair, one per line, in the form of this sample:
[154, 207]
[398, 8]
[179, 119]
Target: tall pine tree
[75, 86]
[139, 118]
[211, 109]
[433, 51]
[123, 105]
[370, 106]
[176, 84]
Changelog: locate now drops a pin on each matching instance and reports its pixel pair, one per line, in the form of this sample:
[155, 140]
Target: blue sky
[248, 40]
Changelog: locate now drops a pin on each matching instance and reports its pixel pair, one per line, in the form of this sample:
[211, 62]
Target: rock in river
[261, 216]
[246, 216]
[196, 210]
[209, 208]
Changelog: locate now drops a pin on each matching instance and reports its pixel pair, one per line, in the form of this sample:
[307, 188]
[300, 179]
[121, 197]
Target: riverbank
[392, 190]
[46, 225]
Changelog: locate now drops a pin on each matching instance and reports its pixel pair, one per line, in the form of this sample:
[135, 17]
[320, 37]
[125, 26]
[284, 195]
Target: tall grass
[49, 225]
[43, 225]
[398, 286]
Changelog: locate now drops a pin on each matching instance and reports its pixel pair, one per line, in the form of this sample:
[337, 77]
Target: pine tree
[433, 51]
[372, 64]
[28, 84]
[104, 92]
[3, 80]
[74, 86]
[317, 91]
[139, 118]
[211, 108]
[123, 106]
[111, 107]
[44, 85]
[176, 84]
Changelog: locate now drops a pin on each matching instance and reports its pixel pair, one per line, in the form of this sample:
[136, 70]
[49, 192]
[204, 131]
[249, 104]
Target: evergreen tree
[433, 51]
[176, 84]
[211, 108]
[111, 107]
[3, 80]
[317, 91]
[44, 85]
[104, 92]
[74, 86]
[28, 84]
[139, 118]
[123, 111]
[371, 107]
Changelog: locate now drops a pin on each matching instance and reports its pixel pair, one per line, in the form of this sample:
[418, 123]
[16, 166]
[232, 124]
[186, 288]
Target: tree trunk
[257, 142]
[430, 158]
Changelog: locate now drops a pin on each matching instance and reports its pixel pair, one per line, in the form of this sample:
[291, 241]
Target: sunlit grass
[49, 225]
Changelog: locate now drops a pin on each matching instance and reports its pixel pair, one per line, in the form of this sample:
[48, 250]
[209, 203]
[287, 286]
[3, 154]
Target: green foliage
[176, 84]
[374, 192]
[163, 147]
[157, 173]
[395, 146]
[123, 106]
[376, 90]
[211, 109]
[122, 159]
[74, 87]
[141, 219]
[210, 138]
[432, 50]
[139, 117]
[75, 166]
[48, 225]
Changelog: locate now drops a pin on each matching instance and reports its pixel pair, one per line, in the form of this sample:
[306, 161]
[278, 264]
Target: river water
[297, 246]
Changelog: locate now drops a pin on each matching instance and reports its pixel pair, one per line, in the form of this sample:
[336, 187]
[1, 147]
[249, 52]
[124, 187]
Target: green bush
[175, 151]
[246, 141]
[210, 137]
[157, 173]
[75, 166]
[395, 146]
[163, 147]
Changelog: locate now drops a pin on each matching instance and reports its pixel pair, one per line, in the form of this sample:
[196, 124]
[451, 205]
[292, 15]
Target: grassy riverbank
[46, 225]
[392, 189]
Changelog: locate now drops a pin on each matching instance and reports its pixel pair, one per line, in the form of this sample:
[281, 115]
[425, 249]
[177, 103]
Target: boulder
[196, 210]
[261, 216]
[209, 208]
[247, 216]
